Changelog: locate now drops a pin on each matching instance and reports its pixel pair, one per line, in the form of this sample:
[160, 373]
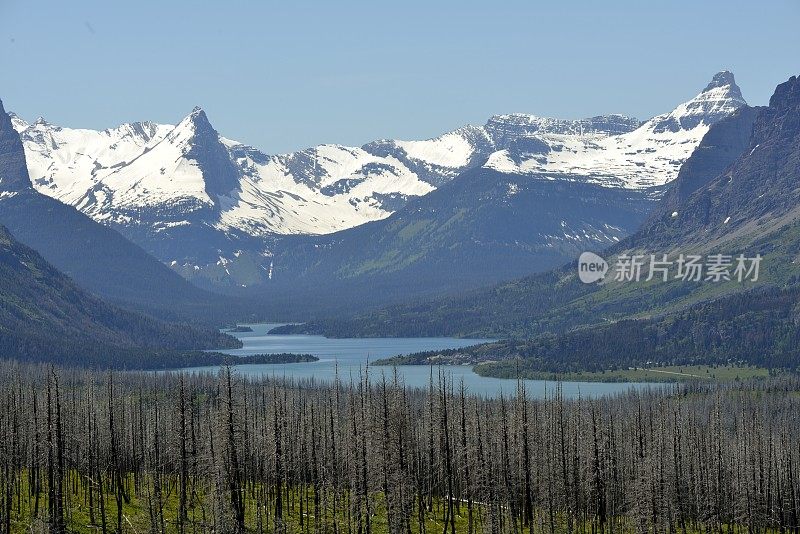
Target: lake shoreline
[350, 359]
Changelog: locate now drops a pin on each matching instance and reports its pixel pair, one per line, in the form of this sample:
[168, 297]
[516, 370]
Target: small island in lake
[274, 359]
[238, 329]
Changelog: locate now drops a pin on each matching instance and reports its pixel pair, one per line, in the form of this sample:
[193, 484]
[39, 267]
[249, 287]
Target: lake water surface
[351, 356]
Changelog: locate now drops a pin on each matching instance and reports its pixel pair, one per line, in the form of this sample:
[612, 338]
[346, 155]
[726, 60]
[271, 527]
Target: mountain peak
[721, 79]
[198, 116]
[202, 144]
[13, 169]
[198, 119]
[720, 99]
[193, 125]
[786, 95]
[723, 82]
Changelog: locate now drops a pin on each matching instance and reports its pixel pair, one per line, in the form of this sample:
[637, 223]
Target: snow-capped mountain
[164, 175]
[650, 155]
[135, 174]
[203, 203]
[95, 256]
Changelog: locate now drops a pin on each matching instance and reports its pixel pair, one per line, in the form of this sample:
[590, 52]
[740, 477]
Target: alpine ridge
[215, 210]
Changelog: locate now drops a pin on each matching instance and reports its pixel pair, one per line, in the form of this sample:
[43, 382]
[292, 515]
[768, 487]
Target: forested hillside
[46, 317]
[757, 328]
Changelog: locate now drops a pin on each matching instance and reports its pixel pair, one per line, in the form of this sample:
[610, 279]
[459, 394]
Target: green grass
[413, 229]
[298, 506]
[654, 374]
[298, 509]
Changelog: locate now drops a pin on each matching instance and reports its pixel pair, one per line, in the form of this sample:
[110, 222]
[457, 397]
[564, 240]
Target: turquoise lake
[351, 357]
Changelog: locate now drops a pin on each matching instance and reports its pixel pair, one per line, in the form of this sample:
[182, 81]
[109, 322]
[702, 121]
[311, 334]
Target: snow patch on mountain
[320, 190]
[650, 155]
[449, 150]
[67, 163]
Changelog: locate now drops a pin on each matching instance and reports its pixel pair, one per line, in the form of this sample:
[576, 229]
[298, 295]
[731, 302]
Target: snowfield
[650, 155]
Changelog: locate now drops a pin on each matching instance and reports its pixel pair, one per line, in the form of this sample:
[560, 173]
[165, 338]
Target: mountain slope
[748, 328]
[215, 209]
[486, 226]
[44, 316]
[482, 227]
[751, 207]
[101, 260]
[757, 194]
[95, 256]
[720, 147]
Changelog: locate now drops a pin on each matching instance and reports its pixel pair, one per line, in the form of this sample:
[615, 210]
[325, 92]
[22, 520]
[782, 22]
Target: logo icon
[591, 268]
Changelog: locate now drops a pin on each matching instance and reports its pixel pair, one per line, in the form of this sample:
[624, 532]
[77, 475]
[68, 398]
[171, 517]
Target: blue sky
[283, 76]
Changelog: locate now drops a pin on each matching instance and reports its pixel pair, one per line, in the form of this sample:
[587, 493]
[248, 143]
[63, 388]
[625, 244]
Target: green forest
[756, 328]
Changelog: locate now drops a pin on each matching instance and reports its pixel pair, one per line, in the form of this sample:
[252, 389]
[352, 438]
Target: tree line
[82, 451]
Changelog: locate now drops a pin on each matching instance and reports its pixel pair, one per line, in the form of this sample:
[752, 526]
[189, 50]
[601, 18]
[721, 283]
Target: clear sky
[283, 76]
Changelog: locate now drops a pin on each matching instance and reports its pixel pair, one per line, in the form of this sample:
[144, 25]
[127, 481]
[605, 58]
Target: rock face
[13, 169]
[781, 121]
[721, 146]
[504, 129]
[756, 192]
[221, 174]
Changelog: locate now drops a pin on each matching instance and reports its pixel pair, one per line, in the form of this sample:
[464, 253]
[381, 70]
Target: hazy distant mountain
[650, 155]
[212, 208]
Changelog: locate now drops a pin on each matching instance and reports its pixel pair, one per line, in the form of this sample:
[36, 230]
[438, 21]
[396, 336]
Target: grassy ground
[141, 510]
[656, 374]
[141, 513]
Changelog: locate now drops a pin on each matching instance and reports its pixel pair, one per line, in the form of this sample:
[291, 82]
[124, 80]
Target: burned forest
[83, 451]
